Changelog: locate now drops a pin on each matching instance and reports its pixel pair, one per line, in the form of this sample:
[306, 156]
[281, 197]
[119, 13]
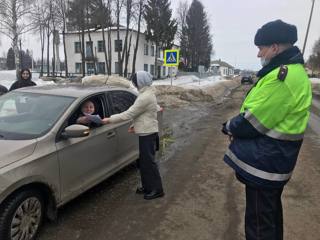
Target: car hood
[14, 150]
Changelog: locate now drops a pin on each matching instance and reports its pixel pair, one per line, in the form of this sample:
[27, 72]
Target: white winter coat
[144, 110]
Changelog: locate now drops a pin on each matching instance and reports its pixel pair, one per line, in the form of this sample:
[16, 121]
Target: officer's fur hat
[276, 32]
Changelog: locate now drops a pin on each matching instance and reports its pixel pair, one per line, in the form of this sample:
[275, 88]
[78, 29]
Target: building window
[145, 67]
[101, 67]
[90, 68]
[152, 51]
[152, 69]
[146, 49]
[77, 47]
[118, 45]
[78, 67]
[89, 49]
[101, 46]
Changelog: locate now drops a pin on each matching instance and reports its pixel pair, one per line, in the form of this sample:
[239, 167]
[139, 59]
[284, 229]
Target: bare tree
[38, 19]
[62, 17]
[77, 21]
[126, 46]
[119, 5]
[102, 19]
[13, 14]
[182, 11]
[140, 14]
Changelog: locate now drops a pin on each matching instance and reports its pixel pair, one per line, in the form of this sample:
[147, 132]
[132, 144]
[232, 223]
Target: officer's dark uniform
[268, 132]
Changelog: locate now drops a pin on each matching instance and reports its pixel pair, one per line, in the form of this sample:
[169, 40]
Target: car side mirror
[75, 131]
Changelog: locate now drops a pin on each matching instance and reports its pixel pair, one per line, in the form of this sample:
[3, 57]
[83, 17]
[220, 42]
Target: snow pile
[113, 80]
[175, 96]
[315, 82]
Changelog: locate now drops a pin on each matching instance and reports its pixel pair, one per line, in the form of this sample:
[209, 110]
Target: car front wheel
[21, 216]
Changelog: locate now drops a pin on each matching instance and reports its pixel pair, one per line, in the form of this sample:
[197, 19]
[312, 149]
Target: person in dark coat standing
[267, 134]
[24, 81]
[3, 90]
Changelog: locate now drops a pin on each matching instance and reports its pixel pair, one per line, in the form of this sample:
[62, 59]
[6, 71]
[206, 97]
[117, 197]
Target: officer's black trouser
[150, 176]
[263, 220]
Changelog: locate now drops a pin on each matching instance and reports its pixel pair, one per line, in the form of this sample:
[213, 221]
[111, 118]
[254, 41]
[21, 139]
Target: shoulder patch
[283, 72]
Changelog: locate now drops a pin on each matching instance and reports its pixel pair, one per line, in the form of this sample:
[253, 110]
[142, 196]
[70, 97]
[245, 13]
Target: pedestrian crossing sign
[171, 58]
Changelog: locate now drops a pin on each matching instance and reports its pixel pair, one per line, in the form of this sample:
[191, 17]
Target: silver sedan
[46, 159]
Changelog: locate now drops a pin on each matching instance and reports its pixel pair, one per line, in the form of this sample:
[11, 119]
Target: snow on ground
[8, 77]
[315, 80]
[189, 81]
[187, 89]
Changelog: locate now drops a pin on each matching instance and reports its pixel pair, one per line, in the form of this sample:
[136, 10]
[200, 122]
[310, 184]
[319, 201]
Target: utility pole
[20, 55]
[307, 33]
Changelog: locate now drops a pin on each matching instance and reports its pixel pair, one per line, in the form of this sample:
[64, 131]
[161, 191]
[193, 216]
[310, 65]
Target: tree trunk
[118, 38]
[53, 53]
[127, 57]
[83, 62]
[93, 57]
[42, 39]
[65, 51]
[110, 51]
[105, 49]
[155, 61]
[137, 40]
[48, 50]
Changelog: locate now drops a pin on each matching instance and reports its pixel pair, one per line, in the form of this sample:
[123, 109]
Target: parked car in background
[46, 159]
[247, 79]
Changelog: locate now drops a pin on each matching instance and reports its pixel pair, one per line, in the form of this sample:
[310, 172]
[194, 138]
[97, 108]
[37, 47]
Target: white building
[222, 68]
[145, 56]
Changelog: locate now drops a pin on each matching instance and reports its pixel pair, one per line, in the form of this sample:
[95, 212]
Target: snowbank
[108, 80]
[175, 96]
[315, 82]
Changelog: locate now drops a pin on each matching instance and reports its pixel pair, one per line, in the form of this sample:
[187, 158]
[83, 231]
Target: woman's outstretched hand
[105, 120]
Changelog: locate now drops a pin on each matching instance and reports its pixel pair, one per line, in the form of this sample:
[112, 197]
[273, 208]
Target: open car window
[99, 111]
[120, 101]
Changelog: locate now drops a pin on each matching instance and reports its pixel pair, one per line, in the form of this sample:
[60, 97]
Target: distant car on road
[247, 80]
[46, 159]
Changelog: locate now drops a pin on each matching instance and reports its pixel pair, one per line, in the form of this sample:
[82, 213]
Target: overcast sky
[234, 24]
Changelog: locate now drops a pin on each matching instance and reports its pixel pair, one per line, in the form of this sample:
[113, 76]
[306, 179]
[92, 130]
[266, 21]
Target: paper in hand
[94, 118]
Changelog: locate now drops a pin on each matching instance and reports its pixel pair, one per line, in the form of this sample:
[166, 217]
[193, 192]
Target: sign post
[171, 59]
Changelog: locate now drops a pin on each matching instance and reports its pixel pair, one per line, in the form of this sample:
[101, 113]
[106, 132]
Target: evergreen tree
[161, 29]
[195, 40]
[10, 59]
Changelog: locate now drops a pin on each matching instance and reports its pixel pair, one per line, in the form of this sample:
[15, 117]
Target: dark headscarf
[22, 82]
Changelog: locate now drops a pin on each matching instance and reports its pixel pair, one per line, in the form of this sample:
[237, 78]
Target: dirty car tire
[21, 215]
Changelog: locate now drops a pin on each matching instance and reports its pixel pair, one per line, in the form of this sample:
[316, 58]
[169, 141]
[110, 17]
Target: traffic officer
[267, 134]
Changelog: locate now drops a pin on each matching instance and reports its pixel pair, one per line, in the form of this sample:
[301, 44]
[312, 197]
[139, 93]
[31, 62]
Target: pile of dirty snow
[175, 96]
[315, 82]
[113, 80]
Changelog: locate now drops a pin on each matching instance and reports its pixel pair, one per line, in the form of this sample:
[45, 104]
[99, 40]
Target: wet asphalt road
[203, 199]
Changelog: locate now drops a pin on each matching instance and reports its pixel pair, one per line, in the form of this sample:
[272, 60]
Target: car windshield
[29, 115]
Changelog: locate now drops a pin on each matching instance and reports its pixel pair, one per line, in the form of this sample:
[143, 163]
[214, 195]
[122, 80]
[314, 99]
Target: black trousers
[150, 176]
[263, 219]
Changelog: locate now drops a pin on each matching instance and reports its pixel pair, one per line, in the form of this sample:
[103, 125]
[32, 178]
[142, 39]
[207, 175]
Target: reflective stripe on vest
[256, 172]
[270, 132]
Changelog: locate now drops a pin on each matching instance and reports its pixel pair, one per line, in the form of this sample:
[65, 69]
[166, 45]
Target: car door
[128, 148]
[88, 160]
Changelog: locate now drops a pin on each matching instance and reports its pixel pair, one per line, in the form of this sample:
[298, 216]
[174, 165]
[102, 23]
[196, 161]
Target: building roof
[221, 63]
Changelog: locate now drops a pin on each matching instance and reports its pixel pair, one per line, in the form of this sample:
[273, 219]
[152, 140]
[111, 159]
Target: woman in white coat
[144, 115]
